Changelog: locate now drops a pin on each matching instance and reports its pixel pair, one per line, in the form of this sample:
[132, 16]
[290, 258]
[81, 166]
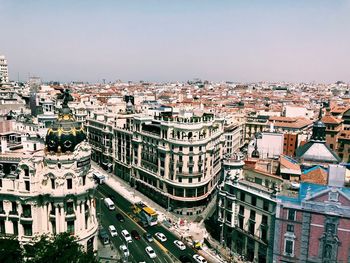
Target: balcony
[13, 214]
[52, 214]
[179, 163]
[70, 213]
[26, 214]
[26, 217]
[190, 163]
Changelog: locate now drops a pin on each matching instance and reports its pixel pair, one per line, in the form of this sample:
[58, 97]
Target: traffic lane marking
[137, 225]
[141, 228]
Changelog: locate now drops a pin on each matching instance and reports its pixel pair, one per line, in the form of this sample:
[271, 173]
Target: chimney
[336, 175]
[272, 126]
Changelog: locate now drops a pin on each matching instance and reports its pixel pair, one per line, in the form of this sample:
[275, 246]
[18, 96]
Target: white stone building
[52, 190]
[4, 76]
[173, 159]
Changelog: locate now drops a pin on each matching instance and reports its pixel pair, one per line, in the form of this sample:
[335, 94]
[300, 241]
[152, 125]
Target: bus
[99, 178]
[145, 213]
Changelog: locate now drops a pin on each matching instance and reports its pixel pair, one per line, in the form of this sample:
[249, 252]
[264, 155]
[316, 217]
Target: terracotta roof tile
[331, 120]
[289, 163]
[316, 175]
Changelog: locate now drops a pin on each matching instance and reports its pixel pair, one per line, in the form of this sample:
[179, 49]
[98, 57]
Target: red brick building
[315, 226]
[290, 144]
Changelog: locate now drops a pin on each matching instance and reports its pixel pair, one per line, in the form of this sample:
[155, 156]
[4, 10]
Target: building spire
[320, 112]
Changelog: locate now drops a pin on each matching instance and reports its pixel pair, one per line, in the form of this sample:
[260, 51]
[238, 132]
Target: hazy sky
[296, 40]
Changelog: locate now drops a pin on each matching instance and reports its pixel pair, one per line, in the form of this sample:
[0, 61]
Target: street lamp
[222, 234]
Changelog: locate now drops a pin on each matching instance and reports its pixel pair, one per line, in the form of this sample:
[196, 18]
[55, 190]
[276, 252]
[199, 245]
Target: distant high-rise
[4, 77]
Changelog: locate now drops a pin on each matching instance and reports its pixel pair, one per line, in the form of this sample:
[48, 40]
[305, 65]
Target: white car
[126, 236]
[199, 258]
[161, 237]
[180, 244]
[113, 231]
[124, 250]
[295, 185]
[150, 252]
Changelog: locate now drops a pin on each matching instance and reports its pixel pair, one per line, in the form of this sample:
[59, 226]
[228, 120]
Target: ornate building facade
[315, 225]
[50, 191]
[174, 159]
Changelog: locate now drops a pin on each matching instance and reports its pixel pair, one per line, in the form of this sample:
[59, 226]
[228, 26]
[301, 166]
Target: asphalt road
[136, 247]
[125, 206]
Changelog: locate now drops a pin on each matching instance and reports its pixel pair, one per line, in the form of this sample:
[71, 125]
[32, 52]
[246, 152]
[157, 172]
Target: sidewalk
[181, 228]
[107, 253]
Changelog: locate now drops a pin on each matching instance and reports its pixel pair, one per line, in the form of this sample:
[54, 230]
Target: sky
[153, 40]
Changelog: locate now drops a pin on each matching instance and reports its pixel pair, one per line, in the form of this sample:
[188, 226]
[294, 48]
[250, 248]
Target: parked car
[199, 259]
[150, 252]
[119, 217]
[102, 233]
[180, 244]
[113, 231]
[124, 251]
[185, 259]
[126, 236]
[135, 235]
[148, 237]
[160, 236]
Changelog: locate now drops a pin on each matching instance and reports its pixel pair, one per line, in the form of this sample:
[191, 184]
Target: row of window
[253, 200]
[251, 223]
[28, 228]
[27, 212]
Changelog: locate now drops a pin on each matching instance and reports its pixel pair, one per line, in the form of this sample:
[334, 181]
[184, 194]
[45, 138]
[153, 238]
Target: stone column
[57, 218]
[82, 224]
[78, 221]
[45, 217]
[62, 220]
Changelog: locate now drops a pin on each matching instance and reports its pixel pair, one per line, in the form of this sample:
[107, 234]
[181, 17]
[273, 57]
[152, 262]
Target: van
[109, 203]
[99, 178]
[103, 235]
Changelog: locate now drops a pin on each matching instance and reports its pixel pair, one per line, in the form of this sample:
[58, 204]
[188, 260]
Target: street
[137, 247]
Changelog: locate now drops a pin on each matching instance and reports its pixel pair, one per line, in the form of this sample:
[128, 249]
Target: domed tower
[65, 134]
[67, 178]
[319, 129]
[316, 151]
[51, 191]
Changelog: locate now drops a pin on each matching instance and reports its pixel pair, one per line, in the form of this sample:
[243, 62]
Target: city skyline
[239, 41]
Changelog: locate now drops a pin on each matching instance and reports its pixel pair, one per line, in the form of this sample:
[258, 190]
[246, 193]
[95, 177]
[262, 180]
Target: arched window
[26, 170]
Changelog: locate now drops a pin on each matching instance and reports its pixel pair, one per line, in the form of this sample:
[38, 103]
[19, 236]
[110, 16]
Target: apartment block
[174, 159]
[4, 77]
[246, 211]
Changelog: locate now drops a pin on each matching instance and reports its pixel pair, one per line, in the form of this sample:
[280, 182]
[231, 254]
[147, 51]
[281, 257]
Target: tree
[10, 251]
[61, 248]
